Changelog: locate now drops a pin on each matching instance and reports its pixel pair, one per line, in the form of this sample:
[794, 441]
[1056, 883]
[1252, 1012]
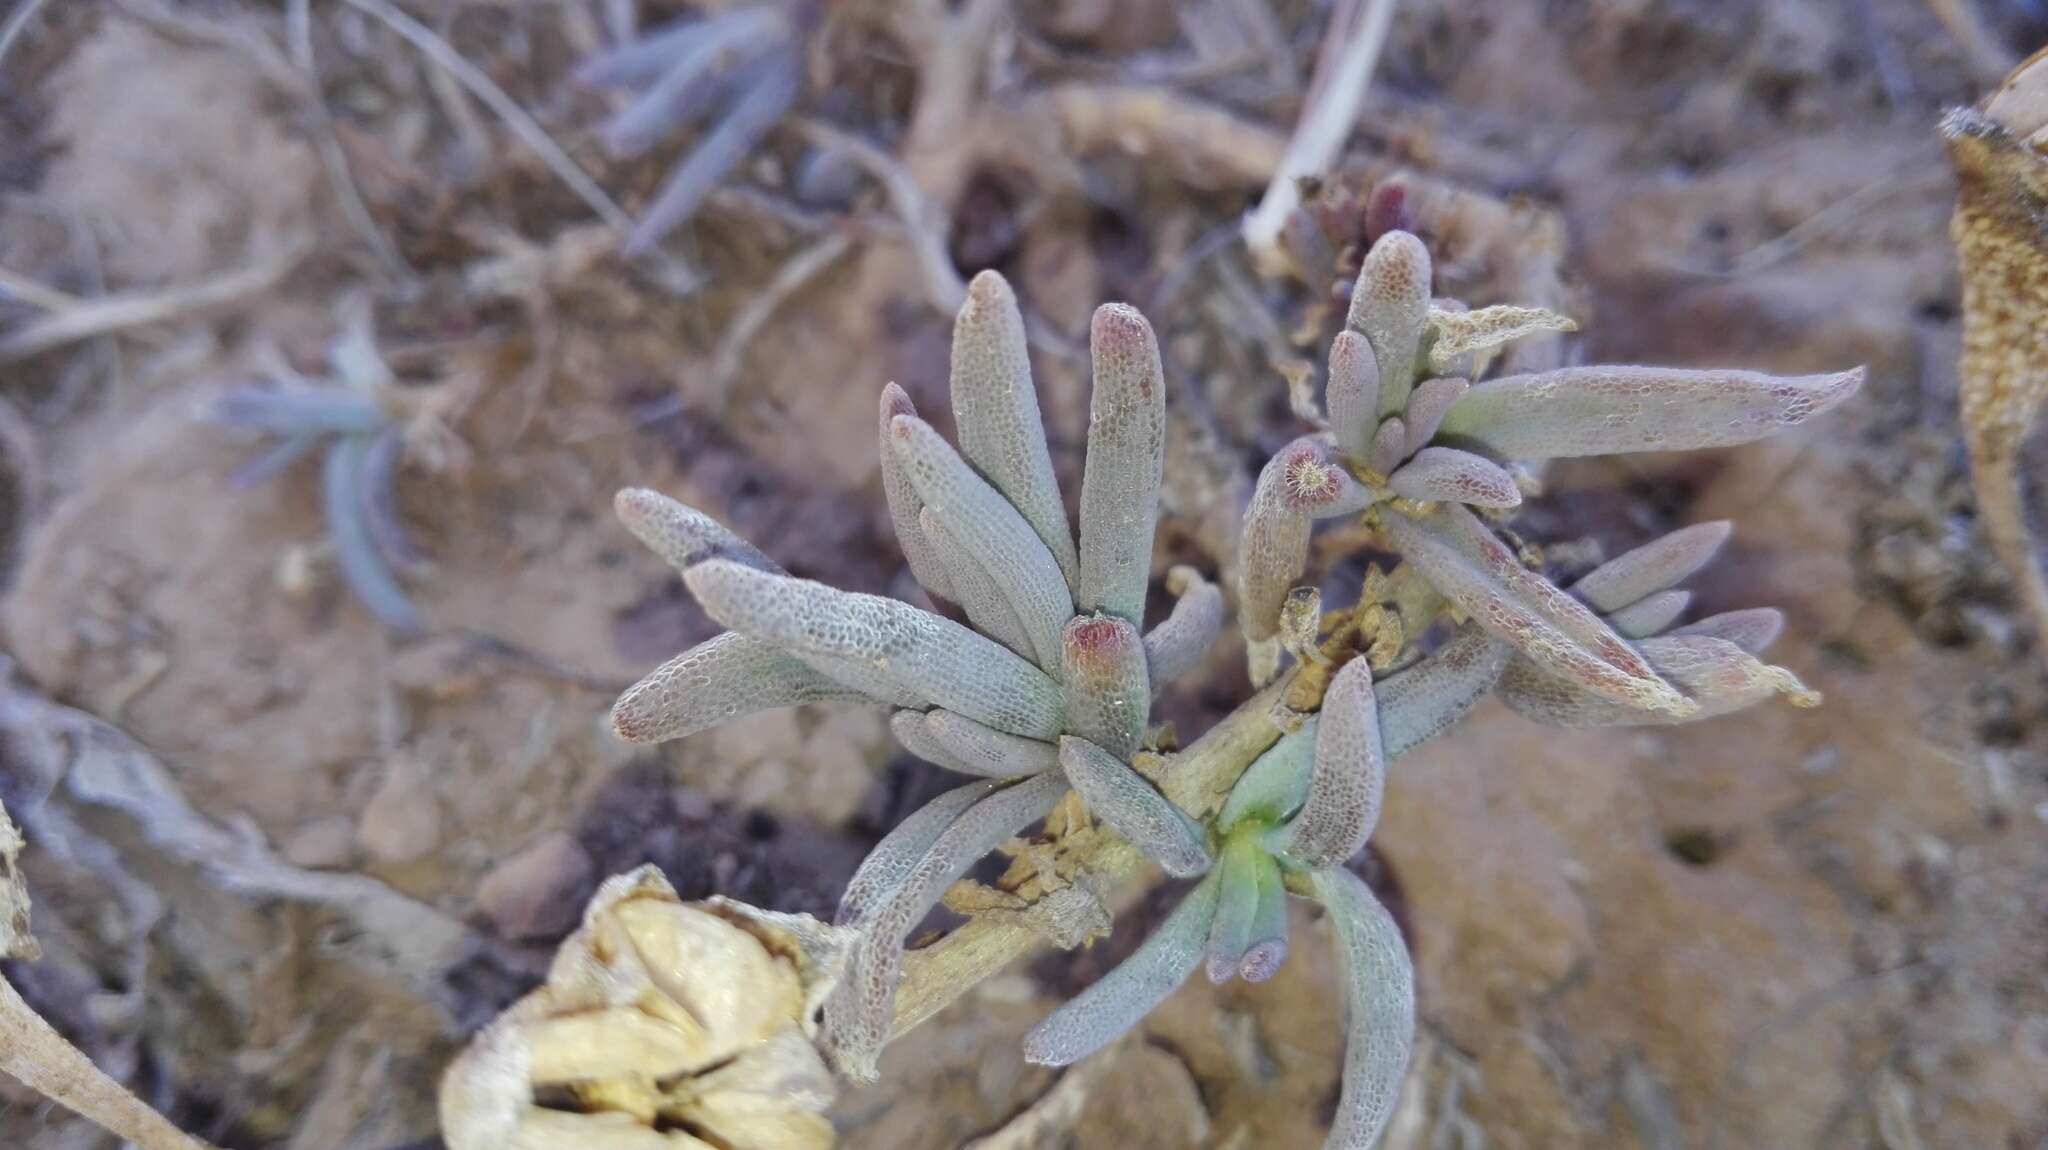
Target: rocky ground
[1788, 928]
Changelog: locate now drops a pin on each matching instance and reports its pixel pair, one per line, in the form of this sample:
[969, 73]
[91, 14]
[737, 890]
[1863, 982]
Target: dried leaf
[1459, 333]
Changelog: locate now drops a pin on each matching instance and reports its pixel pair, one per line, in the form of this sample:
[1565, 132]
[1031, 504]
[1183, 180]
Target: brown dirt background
[1783, 929]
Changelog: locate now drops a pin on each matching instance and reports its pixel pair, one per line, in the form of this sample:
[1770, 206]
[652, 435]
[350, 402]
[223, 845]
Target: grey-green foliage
[1048, 686]
[1049, 668]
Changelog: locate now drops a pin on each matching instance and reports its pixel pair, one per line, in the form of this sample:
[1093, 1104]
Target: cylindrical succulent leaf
[717, 681]
[1720, 676]
[1659, 564]
[1471, 569]
[1106, 681]
[683, 535]
[689, 77]
[1122, 998]
[1237, 904]
[986, 606]
[298, 410]
[896, 857]
[1427, 406]
[1126, 459]
[1379, 978]
[1180, 642]
[362, 565]
[764, 91]
[1389, 445]
[909, 728]
[1420, 702]
[859, 1014]
[1649, 615]
[1349, 776]
[1276, 783]
[1450, 475]
[987, 750]
[1268, 950]
[995, 408]
[1390, 305]
[1610, 410]
[935, 658]
[905, 508]
[1353, 392]
[1133, 808]
[992, 533]
[1303, 481]
[1753, 629]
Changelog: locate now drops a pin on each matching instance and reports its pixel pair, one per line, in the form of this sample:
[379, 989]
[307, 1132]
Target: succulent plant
[1415, 442]
[361, 445]
[1047, 688]
[741, 69]
[1050, 683]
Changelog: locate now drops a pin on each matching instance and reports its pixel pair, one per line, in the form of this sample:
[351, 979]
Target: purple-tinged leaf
[1134, 808]
[717, 681]
[1427, 406]
[1446, 474]
[1379, 978]
[1420, 702]
[1609, 410]
[1122, 998]
[1389, 445]
[1649, 615]
[1390, 305]
[1268, 949]
[1720, 676]
[1753, 629]
[642, 61]
[1237, 904]
[1126, 459]
[995, 408]
[1107, 684]
[1471, 569]
[1345, 786]
[1662, 563]
[1353, 392]
[928, 656]
[1305, 480]
[1180, 643]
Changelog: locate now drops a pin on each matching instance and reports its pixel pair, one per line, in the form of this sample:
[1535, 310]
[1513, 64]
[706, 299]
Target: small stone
[322, 844]
[539, 892]
[402, 821]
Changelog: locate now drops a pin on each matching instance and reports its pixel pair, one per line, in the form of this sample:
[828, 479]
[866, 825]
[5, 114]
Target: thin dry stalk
[85, 319]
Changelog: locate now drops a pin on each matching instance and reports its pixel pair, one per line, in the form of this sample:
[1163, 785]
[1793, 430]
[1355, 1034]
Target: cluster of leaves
[742, 69]
[1048, 686]
[360, 442]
